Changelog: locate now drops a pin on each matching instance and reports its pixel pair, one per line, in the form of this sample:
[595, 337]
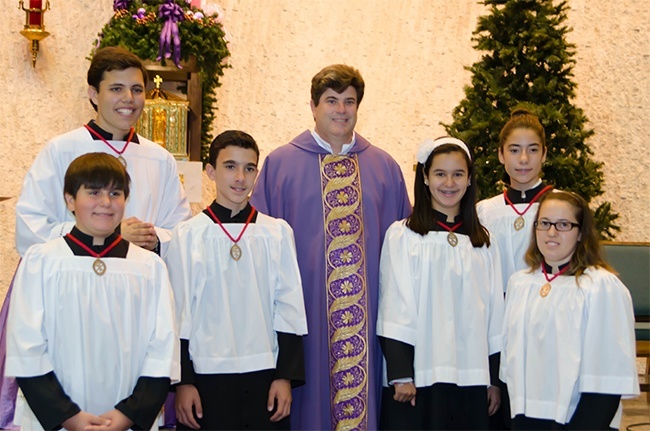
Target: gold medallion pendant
[99, 267]
[544, 291]
[235, 252]
[122, 160]
[452, 239]
[519, 223]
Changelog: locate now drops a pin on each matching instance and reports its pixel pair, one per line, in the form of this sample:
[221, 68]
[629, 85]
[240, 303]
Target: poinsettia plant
[174, 31]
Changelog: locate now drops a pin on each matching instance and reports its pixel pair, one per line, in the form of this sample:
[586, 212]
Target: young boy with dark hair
[91, 337]
[239, 303]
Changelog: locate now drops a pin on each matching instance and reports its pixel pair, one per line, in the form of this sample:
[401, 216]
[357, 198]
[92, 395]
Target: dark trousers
[524, 423]
[442, 406]
[521, 422]
[236, 402]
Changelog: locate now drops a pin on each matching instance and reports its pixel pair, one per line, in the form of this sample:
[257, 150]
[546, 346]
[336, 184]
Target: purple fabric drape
[8, 386]
[170, 39]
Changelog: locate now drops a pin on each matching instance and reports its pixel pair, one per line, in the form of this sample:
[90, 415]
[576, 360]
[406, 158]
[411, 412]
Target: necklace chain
[248, 220]
[537, 196]
[119, 153]
[554, 276]
[94, 253]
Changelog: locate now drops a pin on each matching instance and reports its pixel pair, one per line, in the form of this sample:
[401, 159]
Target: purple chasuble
[339, 266]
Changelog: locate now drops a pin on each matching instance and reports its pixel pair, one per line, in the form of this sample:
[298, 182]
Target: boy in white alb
[116, 88]
[239, 303]
[91, 333]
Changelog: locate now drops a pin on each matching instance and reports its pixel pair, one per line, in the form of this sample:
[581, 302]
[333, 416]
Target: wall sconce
[34, 24]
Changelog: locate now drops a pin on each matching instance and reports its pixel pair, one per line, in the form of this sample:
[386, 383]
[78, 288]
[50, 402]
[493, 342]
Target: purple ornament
[142, 12]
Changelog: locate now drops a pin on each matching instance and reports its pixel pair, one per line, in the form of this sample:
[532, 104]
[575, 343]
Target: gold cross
[158, 81]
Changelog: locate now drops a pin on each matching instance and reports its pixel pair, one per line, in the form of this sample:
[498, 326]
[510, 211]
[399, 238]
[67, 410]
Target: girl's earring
[426, 183]
[469, 183]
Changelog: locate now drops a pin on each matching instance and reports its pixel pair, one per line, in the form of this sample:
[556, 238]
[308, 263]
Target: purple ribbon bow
[171, 13]
[121, 4]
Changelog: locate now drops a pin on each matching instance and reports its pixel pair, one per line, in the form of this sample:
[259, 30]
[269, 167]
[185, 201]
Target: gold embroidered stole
[347, 299]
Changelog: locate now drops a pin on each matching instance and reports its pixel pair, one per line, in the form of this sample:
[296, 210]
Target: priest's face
[98, 212]
[120, 100]
[234, 174]
[448, 179]
[336, 115]
[557, 247]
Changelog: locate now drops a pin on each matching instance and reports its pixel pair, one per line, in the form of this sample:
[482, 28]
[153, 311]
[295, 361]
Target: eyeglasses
[560, 226]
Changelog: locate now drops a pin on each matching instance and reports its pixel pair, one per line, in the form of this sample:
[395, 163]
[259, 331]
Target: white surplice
[499, 218]
[98, 334]
[230, 310]
[579, 338]
[445, 301]
[156, 196]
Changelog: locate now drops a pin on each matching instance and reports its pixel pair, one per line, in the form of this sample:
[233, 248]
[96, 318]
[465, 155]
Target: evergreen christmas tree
[529, 63]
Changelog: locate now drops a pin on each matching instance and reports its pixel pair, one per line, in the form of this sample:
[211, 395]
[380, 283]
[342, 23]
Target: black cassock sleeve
[188, 377]
[494, 363]
[47, 399]
[399, 358]
[144, 404]
[594, 412]
[291, 359]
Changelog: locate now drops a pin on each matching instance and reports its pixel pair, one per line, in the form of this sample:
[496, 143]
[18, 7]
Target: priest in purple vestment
[339, 194]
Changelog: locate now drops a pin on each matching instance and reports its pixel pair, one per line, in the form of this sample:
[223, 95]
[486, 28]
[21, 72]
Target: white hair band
[427, 147]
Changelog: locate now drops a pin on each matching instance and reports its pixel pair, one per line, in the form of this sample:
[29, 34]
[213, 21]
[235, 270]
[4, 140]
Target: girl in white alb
[509, 215]
[440, 302]
[569, 348]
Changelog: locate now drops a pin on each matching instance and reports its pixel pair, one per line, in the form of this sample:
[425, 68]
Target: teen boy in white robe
[239, 301]
[116, 88]
[91, 332]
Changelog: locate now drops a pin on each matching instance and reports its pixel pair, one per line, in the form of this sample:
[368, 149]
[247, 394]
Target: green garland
[201, 38]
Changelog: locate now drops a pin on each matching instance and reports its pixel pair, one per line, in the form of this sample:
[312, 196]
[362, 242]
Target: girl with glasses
[569, 350]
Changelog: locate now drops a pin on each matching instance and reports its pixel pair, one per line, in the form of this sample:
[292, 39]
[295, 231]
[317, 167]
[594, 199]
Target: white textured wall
[411, 54]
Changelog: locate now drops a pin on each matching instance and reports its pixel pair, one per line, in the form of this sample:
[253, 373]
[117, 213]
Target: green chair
[632, 262]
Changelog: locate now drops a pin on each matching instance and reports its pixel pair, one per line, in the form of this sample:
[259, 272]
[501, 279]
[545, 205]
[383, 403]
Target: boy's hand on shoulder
[83, 421]
[115, 421]
[139, 233]
[187, 397]
[280, 399]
